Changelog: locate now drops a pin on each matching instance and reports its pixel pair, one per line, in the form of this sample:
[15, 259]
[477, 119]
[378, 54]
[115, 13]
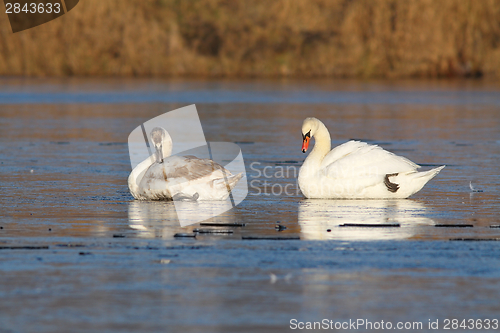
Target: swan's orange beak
[305, 144]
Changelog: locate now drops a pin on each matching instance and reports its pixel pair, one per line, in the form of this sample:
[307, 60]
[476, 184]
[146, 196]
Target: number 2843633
[33, 8]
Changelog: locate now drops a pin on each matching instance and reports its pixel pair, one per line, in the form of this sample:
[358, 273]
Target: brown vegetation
[337, 38]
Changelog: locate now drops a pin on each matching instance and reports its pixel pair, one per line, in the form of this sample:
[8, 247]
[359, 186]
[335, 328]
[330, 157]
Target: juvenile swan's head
[309, 127]
[162, 142]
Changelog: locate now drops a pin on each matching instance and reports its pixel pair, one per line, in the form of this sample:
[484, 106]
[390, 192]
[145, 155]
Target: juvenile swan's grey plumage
[165, 177]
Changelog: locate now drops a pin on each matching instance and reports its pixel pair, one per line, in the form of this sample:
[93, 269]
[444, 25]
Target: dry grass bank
[338, 38]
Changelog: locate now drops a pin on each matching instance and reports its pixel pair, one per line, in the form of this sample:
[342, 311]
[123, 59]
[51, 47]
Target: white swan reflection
[317, 216]
[161, 218]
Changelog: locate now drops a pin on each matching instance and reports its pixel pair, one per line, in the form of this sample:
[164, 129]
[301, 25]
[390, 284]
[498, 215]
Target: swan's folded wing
[356, 159]
[343, 150]
[179, 169]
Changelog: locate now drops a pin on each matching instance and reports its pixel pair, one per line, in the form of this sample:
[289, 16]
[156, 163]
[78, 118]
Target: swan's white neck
[137, 174]
[162, 143]
[322, 145]
[310, 170]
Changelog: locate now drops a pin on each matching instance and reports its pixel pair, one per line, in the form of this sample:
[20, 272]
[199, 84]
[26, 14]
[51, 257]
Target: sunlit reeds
[337, 38]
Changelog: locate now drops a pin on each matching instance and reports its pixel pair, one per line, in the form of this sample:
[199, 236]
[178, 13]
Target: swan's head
[162, 142]
[309, 127]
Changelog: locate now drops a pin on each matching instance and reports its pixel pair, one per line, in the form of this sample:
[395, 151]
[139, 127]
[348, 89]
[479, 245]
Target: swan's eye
[307, 135]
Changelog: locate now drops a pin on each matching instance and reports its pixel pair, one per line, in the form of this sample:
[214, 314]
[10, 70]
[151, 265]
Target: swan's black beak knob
[305, 141]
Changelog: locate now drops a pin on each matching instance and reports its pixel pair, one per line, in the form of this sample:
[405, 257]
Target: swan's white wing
[359, 160]
[341, 151]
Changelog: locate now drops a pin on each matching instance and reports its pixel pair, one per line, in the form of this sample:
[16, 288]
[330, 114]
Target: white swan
[355, 170]
[165, 177]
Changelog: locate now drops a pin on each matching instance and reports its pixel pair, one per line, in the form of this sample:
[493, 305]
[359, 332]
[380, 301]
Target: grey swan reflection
[166, 218]
[317, 216]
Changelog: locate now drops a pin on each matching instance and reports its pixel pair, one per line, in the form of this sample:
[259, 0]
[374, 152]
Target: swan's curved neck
[322, 144]
[137, 174]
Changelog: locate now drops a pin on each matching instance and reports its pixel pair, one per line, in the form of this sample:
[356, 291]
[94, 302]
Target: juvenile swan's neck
[322, 144]
[137, 173]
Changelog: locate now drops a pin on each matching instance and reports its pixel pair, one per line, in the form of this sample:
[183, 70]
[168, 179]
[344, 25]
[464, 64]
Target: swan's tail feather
[415, 181]
[430, 174]
[231, 181]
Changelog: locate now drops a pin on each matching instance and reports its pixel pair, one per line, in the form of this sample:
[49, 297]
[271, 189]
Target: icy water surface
[77, 251]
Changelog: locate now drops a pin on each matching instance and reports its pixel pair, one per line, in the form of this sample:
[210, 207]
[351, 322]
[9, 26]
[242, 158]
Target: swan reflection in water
[317, 216]
[161, 218]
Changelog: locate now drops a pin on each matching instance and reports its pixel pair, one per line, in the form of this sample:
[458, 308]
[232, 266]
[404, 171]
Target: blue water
[77, 251]
[33, 91]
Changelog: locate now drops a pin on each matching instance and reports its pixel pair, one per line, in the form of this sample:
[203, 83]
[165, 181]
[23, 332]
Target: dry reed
[337, 38]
